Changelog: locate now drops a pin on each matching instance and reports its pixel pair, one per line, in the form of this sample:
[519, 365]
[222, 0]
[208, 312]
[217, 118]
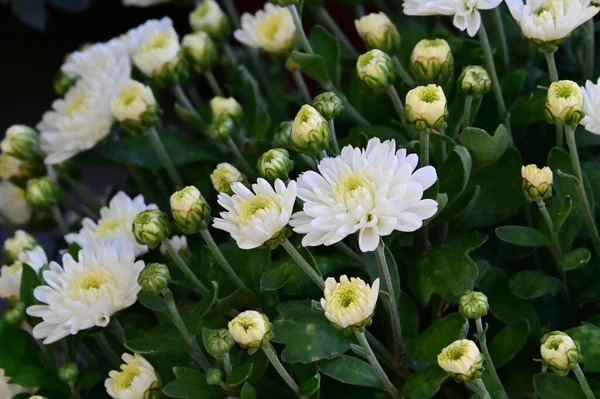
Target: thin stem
[393, 95]
[213, 83]
[163, 155]
[403, 73]
[481, 334]
[424, 148]
[240, 158]
[74, 393]
[585, 387]
[188, 273]
[196, 352]
[299, 80]
[391, 304]
[559, 136]
[311, 162]
[60, 220]
[389, 387]
[358, 118]
[334, 142]
[185, 101]
[479, 388]
[385, 355]
[467, 111]
[588, 70]
[86, 195]
[550, 224]
[227, 364]
[330, 24]
[304, 265]
[497, 14]
[298, 23]
[549, 55]
[106, 348]
[272, 356]
[214, 248]
[118, 330]
[232, 11]
[346, 250]
[588, 214]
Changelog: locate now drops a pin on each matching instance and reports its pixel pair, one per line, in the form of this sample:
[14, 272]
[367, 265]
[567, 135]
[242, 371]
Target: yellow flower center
[105, 226]
[15, 268]
[125, 378]
[254, 205]
[76, 102]
[344, 296]
[563, 90]
[90, 283]
[350, 183]
[429, 95]
[456, 352]
[269, 26]
[157, 42]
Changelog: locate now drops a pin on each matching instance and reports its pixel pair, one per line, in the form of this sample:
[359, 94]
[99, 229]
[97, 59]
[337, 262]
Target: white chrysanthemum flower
[86, 293]
[271, 30]
[9, 166]
[99, 61]
[591, 107]
[114, 223]
[550, 21]
[158, 50]
[249, 328]
[143, 3]
[253, 218]
[351, 302]
[208, 17]
[466, 12]
[224, 175]
[7, 390]
[133, 101]
[136, 376]
[10, 276]
[19, 242]
[372, 191]
[13, 205]
[133, 39]
[462, 359]
[559, 352]
[179, 243]
[36, 258]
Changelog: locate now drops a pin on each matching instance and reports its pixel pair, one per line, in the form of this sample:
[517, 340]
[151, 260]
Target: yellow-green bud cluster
[214, 376]
[426, 107]
[21, 142]
[219, 342]
[68, 372]
[376, 69]
[200, 51]
[221, 128]
[154, 278]
[564, 103]
[275, 164]
[473, 305]
[537, 183]
[190, 210]
[474, 81]
[15, 314]
[431, 61]
[281, 136]
[310, 131]
[378, 32]
[328, 104]
[41, 192]
[559, 352]
[151, 227]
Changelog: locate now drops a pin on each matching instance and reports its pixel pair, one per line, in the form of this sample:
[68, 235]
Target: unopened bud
[250, 329]
[564, 103]
[537, 183]
[473, 305]
[135, 107]
[209, 17]
[328, 104]
[559, 352]
[426, 107]
[281, 137]
[462, 360]
[221, 127]
[474, 81]
[154, 278]
[41, 192]
[15, 314]
[68, 372]
[224, 175]
[275, 164]
[376, 69]
[214, 376]
[19, 242]
[21, 142]
[200, 51]
[310, 131]
[226, 106]
[378, 32]
[151, 227]
[219, 342]
[190, 210]
[431, 61]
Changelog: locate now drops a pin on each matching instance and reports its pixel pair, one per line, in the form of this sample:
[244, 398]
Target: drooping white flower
[10, 276]
[114, 223]
[372, 191]
[253, 218]
[143, 3]
[350, 302]
[158, 50]
[13, 205]
[550, 21]
[86, 293]
[271, 30]
[7, 390]
[591, 107]
[136, 376]
[462, 359]
[179, 243]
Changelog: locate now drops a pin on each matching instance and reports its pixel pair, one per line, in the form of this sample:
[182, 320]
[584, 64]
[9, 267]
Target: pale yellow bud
[378, 32]
[224, 175]
[462, 359]
[426, 107]
[537, 183]
[564, 103]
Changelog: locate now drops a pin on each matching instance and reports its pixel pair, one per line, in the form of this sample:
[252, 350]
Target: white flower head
[550, 21]
[114, 223]
[136, 377]
[134, 38]
[536, 176]
[462, 359]
[559, 352]
[564, 103]
[377, 31]
[133, 101]
[86, 293]
[143, 3]
[159, 50]
[349, 303]
[591, 107]
[250, 328]
[178, 242]
[208, 17]
[13, 205]
[226, 106]
[372, 191]
[253, 218]
[8, 390]
[272, 30]
[10, 276]
[224, 175]
[426, 107]
[19, 242]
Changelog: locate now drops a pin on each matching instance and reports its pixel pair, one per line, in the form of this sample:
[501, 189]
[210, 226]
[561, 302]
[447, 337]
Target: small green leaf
[311, 386]
[455, 173]
[436, 337]
[327, 47]
[208, 301]
[508, 342]
[36, 376]
[153, 302]
[559, 159]
[190, 384]
[588, 337]
[350, 370]
[409, 316]
[554, 386]
[248, 392]
[484, 148]
[165, 338]
[21, 351]
[575, 259]
[312, 65]
[563, 213]
[523, 236]
[425, 383]
[29, 280]
[239, 374]
[530, 284]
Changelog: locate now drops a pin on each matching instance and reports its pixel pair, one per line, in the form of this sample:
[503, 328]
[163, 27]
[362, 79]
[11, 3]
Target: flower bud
[224, 175]
[151, 227]
[350, 303]
[208, 17]
[154, 278]
[328, 104]
[160, 58]
[426, 107]
[221, 128]
[474, 81]
[275, 164]
[190, 210]
[37, 397]
[226, 106]
[19, 172]
[431, 61]
[281, 137]
[68, 372]
[559, 352]
[310, 131]
[21, 142]
[378, 32]
[376, 69]
[15, 314]
[537, 183]
[200, 51]
[564, 103]
[18, 243]
[219, 342]
[61, 83]
[214, 376]
[473, 305]
[135, 107]
[250, 329]
[462, 360]
[41, 192]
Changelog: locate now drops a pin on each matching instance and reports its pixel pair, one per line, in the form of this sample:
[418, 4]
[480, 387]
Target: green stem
[188, 273]
[334, 142]
[164, 158]
[424, 148]
[232, 11]
[389, 387]
[214, 248]
[403, 73]
[185, 101]
[330, 24]
[479, 388]
[272, 356]
[550, 224]
[213, 83]
[467, 111]
[588, 71]
[196, 352]
[107, 349]
[481, 334]
[497, 14]
[385, 355]
[358, 118]
[118, 330]
[299, 29]
[86, 195]
[74, 393]
[60, 220]
[304, 265]
[301, 84]
[585, 387]
[393, 95]
[588, 214]
[559, 136]
[549, 55]
[240, 158]
[346, 250]
[227, 364]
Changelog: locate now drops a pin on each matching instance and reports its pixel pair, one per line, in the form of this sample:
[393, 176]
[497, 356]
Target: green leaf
[36, 376]
[312, 65]
[523, 236]
[455, 173]
[530, 284]
[484, 148]
[575, 259]
[528, 109]
[261, 126]
[87, 380]
[554, 386]
[248, 264]
[165, 338]
[409, 316]
[563, 213]
[588, 338]
[308, 336]
[29, 280]
[190, 384]
[436, 337]
[248, 392]
[350, 370]
[311, 386]
[153, 302]
[208, 301]
[21, 351]
[559, 159]
[425, 383]
[359, 136]
[327, 47]
[508, 342]
[239, 374]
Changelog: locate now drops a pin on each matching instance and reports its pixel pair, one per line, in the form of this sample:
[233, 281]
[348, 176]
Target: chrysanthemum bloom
[134, 38]
[466, 12]
[135, 378]
[559, 352]
[208, 17]
[564, 103]
[250, 328]
[224, 175]
[349, 303]
[426, 107]
[537, 183]
[13, 206]
[10, 276]
[200, 50]
[254, 218]
[372, 191]
[135, 106]
[462, 359]
[432, 61]
[114, 223]
[19, 242]
[21, 142]
[377, 31]
[7, 390]
[226, 106]
[86, 293]
[591, 107]
[548, 22]
[158, 56]
[272, 30]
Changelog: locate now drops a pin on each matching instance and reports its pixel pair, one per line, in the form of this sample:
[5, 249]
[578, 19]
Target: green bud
[310, 132]
[564, 103]
[219, 342]
[221, 127]
[15, 314]
[154, 278]
[473, 305]
[224, 176]
[151, 227]
[200, 51]
[190, 210]
[559, 352]
[275, 164]
[68, 372]
[21, 142]
[251, 330]
[209, 17]
[214, 376]
[376, 69]
[328, 104]
[62, 83]
[474, 81]
[281, 137]
[155, 391]
[431, 61]
[41, 192]
[292, 65]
